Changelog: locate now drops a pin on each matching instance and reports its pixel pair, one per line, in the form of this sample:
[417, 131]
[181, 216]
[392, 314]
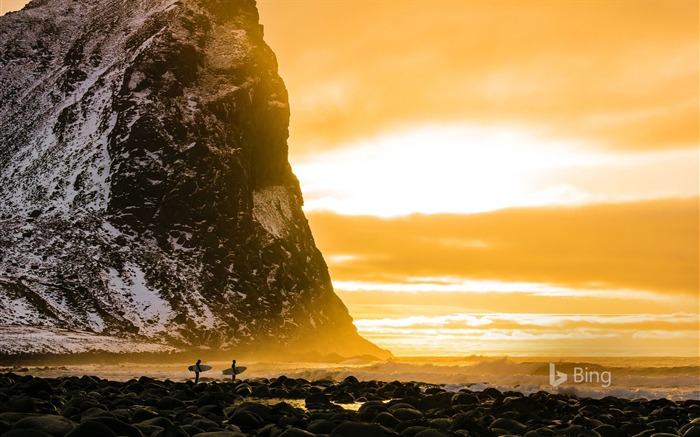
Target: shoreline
[75, 406]
[677, 381]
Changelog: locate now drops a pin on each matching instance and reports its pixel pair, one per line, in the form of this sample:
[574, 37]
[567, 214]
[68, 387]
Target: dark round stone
[26, 433]
[245, 419]
[432, 433]
[693, 431]
[413, 431]
[170, 403]
[22, 404]
[296, 432]
[386, 419]
[404, 414]
[162, 422]
[464, 399]
[243, 390]
[317, 400]
[321, 426]
[221, 434]
[91, 429]
[261, 391]
[343, 398]
[142, 414]
[51, 424]
[356, 429]
[351, 380]
[435, 401]
[172, 431]
[513, 426]
[608, 431]
[119, 427]
[261, 410]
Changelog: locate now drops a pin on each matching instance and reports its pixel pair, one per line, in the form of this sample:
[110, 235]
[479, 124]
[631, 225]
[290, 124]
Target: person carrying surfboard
[197, 369]
[233, 370]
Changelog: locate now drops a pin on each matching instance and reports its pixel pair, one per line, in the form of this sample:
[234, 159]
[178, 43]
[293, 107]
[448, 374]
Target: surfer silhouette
[233, 370]
[197, 369]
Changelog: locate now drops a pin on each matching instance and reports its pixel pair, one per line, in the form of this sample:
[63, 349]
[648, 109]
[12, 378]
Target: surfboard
[239, 369]
[202, 367]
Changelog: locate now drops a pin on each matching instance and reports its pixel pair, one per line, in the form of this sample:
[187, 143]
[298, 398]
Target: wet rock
[464, 399]
[172, 431]
[386, 420]
[220, 434]
[510, 425]
[356, 429]
[404, 414]
[295, 432]
[351, 380]
[321, 426]
[245, 419]
[664, 425]
[435, 401]
[91, 429]
[117, 426]
[691, 429]
[634, 428]
[261, 391]
[413, 431]
[432, 433]
[343, 398]
[576, 431]
[22, 404]
[317, 401]
[26, 433]
[244, 390]
[206, 411]
[608, 431]
[51, 424]
[170, 403]
[263, 411]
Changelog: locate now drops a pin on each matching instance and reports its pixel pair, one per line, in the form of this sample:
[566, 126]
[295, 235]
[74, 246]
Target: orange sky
[501, 177]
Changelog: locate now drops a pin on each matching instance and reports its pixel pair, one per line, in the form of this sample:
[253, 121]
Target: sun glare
[468, 169]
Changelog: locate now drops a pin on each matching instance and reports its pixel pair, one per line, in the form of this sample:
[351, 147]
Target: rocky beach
[75, 406]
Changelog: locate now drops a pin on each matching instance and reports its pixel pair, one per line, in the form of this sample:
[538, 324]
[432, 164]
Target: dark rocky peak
[145, 190]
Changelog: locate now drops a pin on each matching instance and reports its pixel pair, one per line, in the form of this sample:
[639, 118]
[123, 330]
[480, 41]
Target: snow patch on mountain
[29, 340]
[272, 208]
[146, 308]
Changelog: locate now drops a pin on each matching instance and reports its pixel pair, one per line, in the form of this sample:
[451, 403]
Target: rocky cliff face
[145, 191]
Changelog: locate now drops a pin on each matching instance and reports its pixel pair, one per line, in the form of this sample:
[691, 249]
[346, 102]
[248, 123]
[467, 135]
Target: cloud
[622, 74]
[648, 246]
[465, 285]
[533, 333]
[465, 323]
[444, 168]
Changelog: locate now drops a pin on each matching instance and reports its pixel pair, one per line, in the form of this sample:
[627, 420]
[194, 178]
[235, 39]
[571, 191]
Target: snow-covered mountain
[145, 190]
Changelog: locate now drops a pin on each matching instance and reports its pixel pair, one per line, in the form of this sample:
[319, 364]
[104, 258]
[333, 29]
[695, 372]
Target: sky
[500, 177]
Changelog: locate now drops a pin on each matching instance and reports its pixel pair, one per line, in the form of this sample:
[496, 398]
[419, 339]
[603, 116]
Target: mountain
[146, 198]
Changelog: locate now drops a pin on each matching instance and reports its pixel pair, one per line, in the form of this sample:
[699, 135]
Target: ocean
[674, 378]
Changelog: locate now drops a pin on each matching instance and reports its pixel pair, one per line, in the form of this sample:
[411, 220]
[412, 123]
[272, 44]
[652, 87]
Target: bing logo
[557, 378]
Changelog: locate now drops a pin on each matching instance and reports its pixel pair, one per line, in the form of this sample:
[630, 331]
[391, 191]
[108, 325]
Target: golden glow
[517, 334]
[467, 169]
[633, 262]
[511, 177]
[622, 74]
[553, 143]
